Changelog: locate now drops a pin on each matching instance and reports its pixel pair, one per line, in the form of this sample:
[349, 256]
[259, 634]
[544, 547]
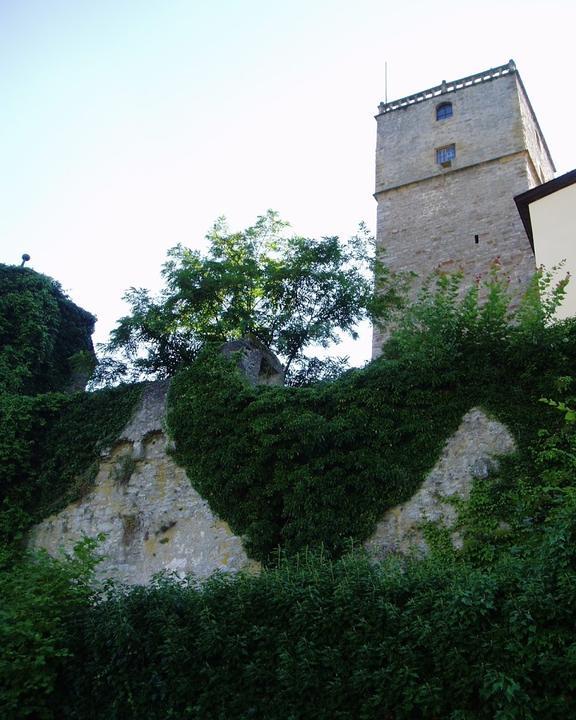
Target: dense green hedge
[339, 640]
[42, 602]
[43, 334]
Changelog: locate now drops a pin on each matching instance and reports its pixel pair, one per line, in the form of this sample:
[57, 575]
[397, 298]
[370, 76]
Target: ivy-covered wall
[151, 518]
[45, 339]
[49, 441]
[308, 467]
[50, 447]
[485, 631]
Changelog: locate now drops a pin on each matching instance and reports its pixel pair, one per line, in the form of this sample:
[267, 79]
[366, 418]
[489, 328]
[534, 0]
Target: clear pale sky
[127, 126]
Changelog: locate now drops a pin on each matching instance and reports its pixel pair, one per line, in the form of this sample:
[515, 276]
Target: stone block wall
[460, 221]
[486, 124]
[541, 165]
[462, 216]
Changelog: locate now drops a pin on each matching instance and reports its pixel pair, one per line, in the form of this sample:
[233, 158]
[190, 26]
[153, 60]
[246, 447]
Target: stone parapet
[447, 87]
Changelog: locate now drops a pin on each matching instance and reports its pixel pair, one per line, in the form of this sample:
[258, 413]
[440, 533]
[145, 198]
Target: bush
[41, 603]
[318, 639]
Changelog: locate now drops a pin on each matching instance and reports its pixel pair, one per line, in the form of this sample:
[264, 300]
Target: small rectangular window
[445, 155]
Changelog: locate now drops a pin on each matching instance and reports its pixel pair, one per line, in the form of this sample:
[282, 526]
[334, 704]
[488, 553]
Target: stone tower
[449, 161]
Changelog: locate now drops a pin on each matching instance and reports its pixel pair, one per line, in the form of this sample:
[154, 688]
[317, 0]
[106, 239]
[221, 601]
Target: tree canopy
[290, 292]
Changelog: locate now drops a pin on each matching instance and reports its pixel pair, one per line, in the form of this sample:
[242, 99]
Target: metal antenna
[386, 82]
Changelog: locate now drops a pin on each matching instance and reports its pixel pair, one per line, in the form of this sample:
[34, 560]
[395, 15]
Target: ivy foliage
[474, 635]
[302, 467]
[50, 442]
[44, 336]
[444, 637]
[510, 511]
[50, 446]
[295, 468]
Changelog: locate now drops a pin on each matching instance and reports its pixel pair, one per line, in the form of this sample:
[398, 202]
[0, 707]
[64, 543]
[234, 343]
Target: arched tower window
[443, 111]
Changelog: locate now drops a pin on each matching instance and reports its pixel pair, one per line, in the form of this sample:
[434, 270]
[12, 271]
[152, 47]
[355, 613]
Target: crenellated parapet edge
[448, 87]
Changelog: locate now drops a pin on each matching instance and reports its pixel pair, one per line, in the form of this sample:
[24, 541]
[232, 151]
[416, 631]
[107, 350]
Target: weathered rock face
[152, 517]
[469, 454]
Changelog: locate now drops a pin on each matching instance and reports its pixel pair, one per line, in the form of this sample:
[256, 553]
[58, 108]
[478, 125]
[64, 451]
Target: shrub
[347, 639]
[41, 602]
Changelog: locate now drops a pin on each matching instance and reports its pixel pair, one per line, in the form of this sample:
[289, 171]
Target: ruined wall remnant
[152, 517]
[257, 362]
[471, 453]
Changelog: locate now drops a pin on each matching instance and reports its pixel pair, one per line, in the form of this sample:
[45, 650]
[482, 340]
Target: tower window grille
[444, 111]
[445, 155]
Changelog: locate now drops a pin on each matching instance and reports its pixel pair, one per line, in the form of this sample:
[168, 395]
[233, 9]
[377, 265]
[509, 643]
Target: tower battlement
[447, 87]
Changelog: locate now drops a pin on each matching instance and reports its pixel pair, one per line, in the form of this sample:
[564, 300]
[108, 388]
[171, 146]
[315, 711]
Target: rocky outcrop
[470, 454]
[152, 518]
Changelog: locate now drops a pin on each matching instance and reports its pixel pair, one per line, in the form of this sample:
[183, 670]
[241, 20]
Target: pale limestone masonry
[468, 456]
[460, 215]
[151, 515]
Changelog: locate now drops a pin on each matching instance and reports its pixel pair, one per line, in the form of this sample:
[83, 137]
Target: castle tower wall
[446, 179]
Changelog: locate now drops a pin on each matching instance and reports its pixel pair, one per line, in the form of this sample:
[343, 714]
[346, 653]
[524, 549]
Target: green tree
[289, 292]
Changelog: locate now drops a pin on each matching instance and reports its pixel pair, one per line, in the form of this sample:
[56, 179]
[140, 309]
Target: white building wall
[553, 219]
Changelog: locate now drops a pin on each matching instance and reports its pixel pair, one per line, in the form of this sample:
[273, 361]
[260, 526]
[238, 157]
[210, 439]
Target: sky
[129, 126]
